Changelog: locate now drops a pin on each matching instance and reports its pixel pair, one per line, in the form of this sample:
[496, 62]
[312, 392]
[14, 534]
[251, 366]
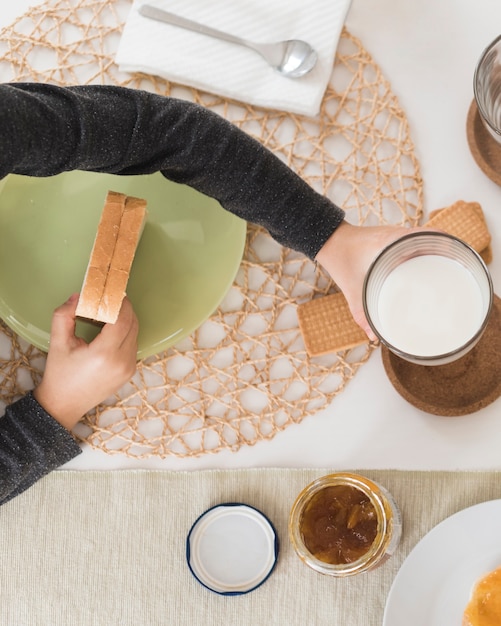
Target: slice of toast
[118, 234]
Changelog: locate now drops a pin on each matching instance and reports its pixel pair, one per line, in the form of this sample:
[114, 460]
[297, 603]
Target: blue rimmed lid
[232, 548]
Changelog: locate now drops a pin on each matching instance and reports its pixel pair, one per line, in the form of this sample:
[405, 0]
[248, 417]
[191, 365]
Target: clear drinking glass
[416, 323]
[487, 88]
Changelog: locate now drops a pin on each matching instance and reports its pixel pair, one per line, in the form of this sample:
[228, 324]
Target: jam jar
[344, 524]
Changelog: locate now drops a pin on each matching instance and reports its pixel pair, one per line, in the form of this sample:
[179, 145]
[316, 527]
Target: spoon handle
[170, 18]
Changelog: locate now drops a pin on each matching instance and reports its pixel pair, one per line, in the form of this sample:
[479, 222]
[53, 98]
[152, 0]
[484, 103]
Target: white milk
[429, 305]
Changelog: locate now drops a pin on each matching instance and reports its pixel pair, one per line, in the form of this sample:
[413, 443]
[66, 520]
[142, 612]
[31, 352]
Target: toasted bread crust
[115, 244]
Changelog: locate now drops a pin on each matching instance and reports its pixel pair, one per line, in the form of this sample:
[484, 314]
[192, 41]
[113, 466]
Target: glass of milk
[428, 297]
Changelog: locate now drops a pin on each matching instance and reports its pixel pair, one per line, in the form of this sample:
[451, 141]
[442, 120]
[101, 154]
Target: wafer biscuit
[328, 326]
[464, 220]
[326, 323]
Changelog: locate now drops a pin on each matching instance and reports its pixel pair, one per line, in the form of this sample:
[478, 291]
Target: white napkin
[230, 70]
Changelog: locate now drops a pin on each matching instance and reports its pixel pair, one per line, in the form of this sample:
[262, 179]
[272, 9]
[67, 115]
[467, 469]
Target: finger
[130, 327]
[113, 335]
[129, 344]
[359, 317]
[364, 324]
[63, 321]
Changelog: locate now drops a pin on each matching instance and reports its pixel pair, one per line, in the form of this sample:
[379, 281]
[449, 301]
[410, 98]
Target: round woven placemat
[244, 375]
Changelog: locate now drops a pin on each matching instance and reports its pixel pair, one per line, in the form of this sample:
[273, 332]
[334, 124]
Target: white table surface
[428, 51]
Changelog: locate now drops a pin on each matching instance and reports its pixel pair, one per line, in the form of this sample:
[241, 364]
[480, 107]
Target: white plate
[433, 586]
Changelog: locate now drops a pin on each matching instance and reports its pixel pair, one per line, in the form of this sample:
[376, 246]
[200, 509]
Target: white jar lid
[232, 548]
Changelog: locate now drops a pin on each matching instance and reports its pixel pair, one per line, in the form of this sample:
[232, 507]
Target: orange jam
[484, 607]
[338, 524]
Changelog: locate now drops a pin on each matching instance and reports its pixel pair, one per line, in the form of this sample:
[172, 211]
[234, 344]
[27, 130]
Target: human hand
[79, 375]
[347, 255]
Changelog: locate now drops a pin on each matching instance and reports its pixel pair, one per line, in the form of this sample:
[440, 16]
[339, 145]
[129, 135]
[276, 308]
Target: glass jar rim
[476, 72]
[377, 549]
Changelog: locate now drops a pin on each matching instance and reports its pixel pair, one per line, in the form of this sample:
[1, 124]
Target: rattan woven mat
[198, 397]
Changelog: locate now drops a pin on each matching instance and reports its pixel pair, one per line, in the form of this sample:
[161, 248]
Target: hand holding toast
[79, 375]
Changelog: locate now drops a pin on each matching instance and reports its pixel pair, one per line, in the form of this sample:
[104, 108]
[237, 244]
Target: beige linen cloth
[108, 548]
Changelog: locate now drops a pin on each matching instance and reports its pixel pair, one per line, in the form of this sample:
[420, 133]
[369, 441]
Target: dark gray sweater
[45, 130]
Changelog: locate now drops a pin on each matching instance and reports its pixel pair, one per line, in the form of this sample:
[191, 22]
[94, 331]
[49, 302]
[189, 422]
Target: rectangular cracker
[328, 326]
[464, 220]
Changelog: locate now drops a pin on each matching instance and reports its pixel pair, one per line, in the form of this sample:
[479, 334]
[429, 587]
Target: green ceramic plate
[186, 261]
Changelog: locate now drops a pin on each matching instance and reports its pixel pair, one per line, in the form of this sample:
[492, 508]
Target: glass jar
[344, 524]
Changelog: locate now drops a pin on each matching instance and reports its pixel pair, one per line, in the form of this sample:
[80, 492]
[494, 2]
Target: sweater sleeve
[32, 444]
[45, 130]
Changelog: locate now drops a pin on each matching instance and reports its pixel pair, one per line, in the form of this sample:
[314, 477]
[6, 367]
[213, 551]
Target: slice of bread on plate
[105, 281]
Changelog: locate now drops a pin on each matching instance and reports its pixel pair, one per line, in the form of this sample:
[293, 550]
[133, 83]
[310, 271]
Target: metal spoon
[292, 58]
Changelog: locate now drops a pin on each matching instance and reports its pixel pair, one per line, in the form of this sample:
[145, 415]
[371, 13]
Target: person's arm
[32, 444]
[35, 433]
[45, 130]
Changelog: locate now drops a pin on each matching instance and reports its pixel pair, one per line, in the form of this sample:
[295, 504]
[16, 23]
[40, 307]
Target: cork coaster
[459, 388]
[326, 323]
[484, 148]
